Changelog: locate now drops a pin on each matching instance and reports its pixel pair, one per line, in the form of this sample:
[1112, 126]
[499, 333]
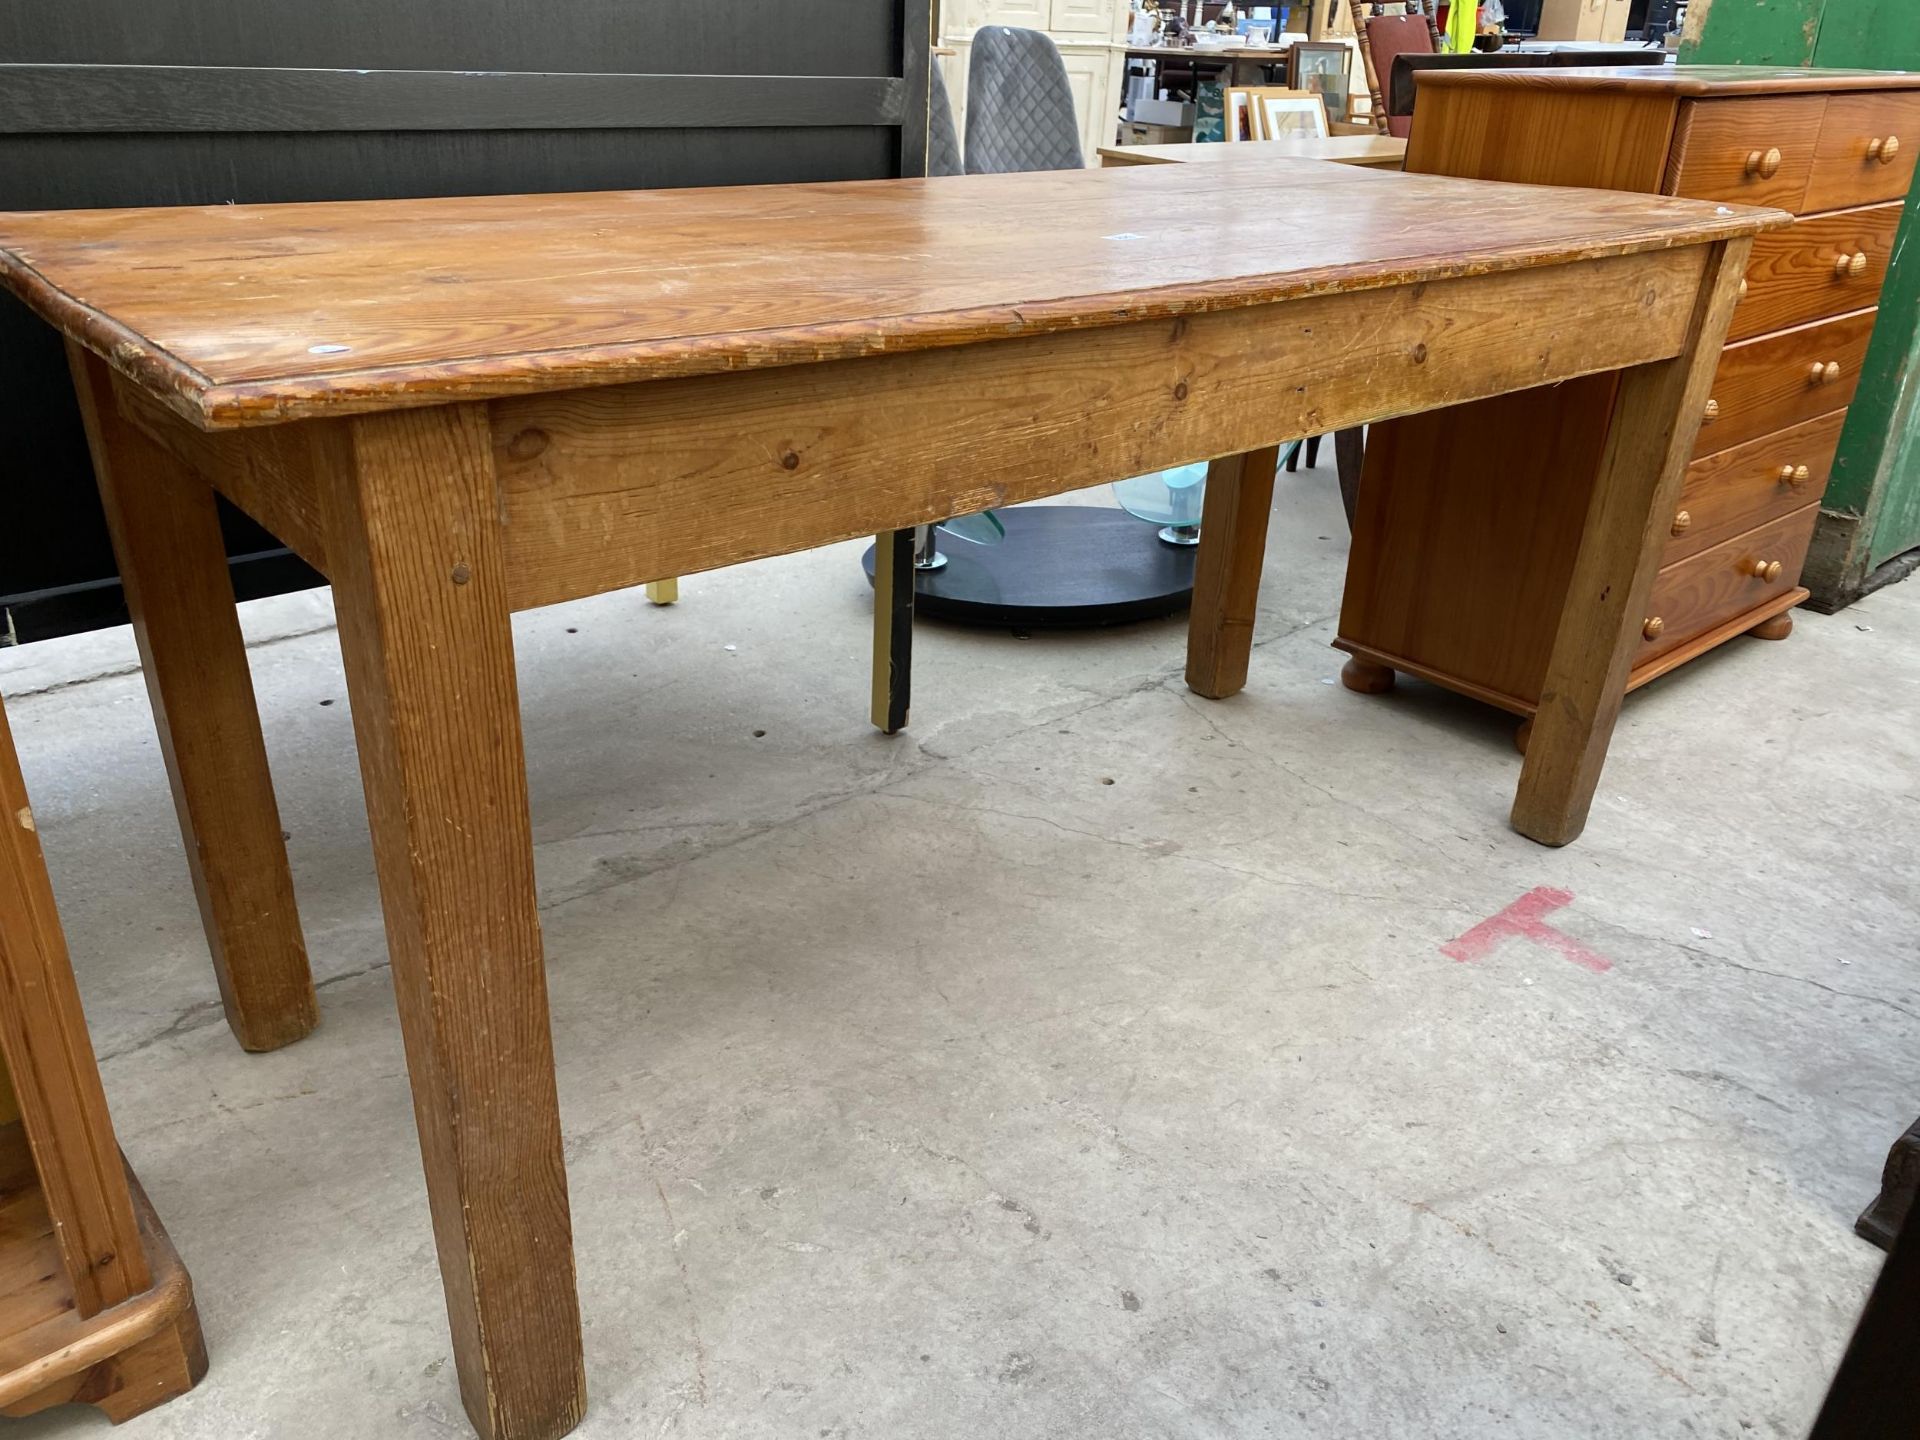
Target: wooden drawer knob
[1879, 149]
[1765, 163]
[1846, 265]
[1764, 570]
[1794, 474]
[1681, 522]
[1653, 628]
[1743, 288]
[1713, 409]
[1858, 265]
[1825, 374]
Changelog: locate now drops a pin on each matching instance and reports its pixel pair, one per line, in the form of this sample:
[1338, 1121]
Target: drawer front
[1714, 586]
[1819, 266]
[1736, 490]
[1866, 150]
[1758, 152]
[1770, 383]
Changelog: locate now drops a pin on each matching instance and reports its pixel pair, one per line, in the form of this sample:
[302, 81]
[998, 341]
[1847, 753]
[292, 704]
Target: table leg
[1226, 574]
[413, 539]
[1657, 410]
[892, 630]
[173, 567]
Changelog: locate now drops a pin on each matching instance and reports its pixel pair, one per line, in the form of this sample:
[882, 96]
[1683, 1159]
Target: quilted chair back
[943, 141]
[1019, 106]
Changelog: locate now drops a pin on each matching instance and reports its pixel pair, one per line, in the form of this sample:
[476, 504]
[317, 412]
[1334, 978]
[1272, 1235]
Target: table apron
[609, 487]
[612, 487]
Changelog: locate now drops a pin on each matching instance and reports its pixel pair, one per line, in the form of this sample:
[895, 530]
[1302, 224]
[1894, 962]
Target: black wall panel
[381, 99]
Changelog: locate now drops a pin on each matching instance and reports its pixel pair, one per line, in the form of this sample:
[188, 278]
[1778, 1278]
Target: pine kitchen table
[460, 408]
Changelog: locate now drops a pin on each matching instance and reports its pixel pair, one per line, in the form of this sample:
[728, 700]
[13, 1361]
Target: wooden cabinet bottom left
[95, 1306]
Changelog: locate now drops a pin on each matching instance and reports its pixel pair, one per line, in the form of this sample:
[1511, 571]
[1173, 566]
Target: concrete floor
[1083, 1062]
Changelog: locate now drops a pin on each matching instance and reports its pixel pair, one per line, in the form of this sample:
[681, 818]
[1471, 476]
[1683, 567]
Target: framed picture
[1284, 115]
[1329, 60]
[1333, 91]
[1241, 121]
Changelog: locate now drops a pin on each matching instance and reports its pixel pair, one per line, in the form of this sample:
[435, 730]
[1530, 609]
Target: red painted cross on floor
[1527, 916]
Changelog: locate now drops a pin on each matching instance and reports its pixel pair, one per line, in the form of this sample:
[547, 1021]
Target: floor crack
[674, 1235]
[1699, 954]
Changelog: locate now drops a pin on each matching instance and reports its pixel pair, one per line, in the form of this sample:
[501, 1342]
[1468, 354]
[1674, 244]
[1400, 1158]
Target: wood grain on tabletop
[251, 314]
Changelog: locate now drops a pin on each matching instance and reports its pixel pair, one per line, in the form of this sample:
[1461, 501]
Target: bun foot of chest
[1523, 734]
[1365, 677]
[1777, 627]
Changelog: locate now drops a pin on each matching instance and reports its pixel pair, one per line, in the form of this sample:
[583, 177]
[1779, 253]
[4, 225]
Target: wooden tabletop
[1681, 79]
[1385, 151]
[250, 314]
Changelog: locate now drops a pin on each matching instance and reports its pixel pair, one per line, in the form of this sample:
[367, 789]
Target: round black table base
[1060, 567]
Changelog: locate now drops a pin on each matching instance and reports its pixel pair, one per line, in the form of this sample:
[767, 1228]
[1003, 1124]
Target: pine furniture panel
[478, 405]
[1460, 566]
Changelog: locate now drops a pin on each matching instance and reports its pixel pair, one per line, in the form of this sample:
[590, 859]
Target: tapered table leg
[413, 540]
[1226, 574]
[173, 567]
[1657, 411]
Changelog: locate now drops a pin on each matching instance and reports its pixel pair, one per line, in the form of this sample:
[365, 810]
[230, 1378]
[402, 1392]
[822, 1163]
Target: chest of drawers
[1468, 518]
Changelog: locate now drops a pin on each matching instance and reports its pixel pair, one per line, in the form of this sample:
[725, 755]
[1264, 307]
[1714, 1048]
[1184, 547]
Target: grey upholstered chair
[1019, 106]
[943, 141]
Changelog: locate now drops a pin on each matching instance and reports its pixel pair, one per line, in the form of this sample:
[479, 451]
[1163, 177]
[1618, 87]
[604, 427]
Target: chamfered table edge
[210, 405]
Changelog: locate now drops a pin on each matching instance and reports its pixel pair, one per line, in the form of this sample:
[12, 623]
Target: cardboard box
[1134, 133]
[1160, 112]
[1584, 19]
